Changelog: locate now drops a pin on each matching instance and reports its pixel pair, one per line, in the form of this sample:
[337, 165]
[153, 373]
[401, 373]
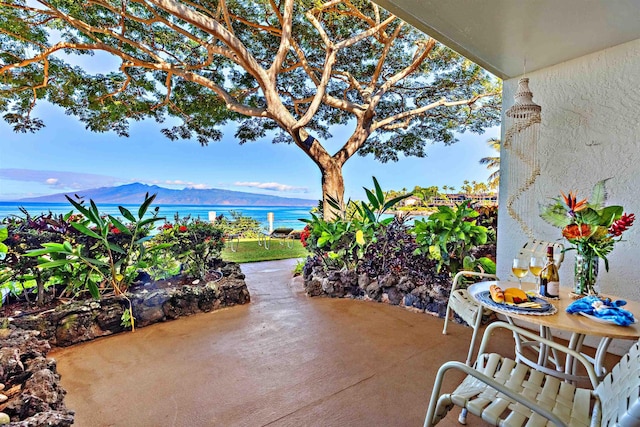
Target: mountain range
[134, 194]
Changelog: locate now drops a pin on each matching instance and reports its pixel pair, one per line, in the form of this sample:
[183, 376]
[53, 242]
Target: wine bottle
[549, 278]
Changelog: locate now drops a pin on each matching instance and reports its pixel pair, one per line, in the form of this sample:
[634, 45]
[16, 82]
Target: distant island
[134, 194]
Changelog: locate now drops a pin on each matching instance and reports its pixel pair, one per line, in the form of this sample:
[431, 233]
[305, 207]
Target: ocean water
[283, 216]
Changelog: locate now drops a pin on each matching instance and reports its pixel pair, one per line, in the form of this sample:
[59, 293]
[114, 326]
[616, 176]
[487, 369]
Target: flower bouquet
[592, 228]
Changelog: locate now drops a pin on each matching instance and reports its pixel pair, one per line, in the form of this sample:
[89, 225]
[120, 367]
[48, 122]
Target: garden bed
[31, 383]
[390, 288]
[151, 302]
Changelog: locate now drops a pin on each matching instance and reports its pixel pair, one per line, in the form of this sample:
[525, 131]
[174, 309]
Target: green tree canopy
[288, 70]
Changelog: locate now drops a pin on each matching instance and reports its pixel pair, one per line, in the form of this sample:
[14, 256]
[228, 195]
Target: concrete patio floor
[283, 360]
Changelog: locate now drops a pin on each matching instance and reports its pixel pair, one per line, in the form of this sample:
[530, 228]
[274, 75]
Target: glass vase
[586, 275]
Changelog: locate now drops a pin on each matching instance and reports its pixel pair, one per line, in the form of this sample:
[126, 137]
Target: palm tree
[493, 163]
[466, 187]
[480, 188]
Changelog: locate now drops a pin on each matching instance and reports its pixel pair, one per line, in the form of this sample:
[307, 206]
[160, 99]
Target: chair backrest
[619, 391]
[538, 248]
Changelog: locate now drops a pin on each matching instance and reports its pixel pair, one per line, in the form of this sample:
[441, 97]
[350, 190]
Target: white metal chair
[507, 393]
[233, 241]
[282, 234]
[535, 247]
[471, 312]
[464, 306]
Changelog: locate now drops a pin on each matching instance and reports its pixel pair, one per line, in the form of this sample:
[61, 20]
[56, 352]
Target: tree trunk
[332, 185]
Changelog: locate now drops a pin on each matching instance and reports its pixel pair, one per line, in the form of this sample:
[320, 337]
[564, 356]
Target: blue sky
[65, 157]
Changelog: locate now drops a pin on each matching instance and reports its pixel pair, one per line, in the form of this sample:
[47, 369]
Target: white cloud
[186, 184]
[199, 186]
[73, 181]
[273, 186]
[61, 180]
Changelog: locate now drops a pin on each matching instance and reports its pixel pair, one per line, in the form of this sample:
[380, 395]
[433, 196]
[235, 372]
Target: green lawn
[250, 251]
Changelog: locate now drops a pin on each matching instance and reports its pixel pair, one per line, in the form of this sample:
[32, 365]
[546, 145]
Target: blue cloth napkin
[603, 309]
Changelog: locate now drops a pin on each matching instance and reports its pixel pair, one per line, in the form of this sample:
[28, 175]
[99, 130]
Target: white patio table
[557, 318]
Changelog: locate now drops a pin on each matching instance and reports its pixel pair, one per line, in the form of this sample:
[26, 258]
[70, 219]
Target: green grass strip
[250, 251]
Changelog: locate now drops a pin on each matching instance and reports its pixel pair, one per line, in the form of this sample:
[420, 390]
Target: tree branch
[241, 55]
[123, 68]
[383, 58]
[287, 24]
[417, 60]
[371, 31]
[387, 123]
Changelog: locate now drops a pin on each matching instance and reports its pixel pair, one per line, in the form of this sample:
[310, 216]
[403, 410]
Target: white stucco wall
[590, 131]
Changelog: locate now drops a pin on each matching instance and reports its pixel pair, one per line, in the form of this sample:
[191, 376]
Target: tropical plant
[425, 193]
[333, 241]
[4, 233]
[488, 218]
[113, 252]
[393, 251]
[466, 187]
[294, 66]
[299, 268]
[342, 241]
[20, 273]
[449, 234]
[590, 226]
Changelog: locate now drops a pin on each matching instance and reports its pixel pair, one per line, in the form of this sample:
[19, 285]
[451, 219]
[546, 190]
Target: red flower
[621, 225]
[182, 228]
[304, 235]
[114, 230]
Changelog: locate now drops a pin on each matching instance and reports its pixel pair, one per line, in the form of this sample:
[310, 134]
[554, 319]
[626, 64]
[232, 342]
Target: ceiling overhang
[504, 35]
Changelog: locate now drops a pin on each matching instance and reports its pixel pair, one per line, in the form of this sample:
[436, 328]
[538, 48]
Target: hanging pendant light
[521, 139]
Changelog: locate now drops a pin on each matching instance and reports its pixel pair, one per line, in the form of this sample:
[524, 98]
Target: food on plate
[530, 304]
[515, 295]
[497, 295]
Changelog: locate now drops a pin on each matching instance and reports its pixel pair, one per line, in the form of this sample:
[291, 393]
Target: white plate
[600, 320]
[478, 287]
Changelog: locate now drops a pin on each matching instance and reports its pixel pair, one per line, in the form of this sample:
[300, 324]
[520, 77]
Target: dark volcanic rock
[31, 382]
[82, 321]
[30, 379]
[75, 327]
[389, 288]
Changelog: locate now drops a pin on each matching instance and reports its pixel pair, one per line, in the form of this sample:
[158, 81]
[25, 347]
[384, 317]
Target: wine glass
[519, 269]
[536, 264]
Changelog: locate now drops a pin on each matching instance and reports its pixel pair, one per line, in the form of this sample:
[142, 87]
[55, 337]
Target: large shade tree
[287, 70]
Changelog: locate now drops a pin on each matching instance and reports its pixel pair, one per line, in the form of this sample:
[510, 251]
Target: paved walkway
[283, 360]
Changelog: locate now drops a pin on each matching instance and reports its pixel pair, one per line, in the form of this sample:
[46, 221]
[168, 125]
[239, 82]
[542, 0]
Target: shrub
[196, 244]
[394, 251]
[239, 224]
[449, 235]
[89, 252]
[19, 273]
[342, 242]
